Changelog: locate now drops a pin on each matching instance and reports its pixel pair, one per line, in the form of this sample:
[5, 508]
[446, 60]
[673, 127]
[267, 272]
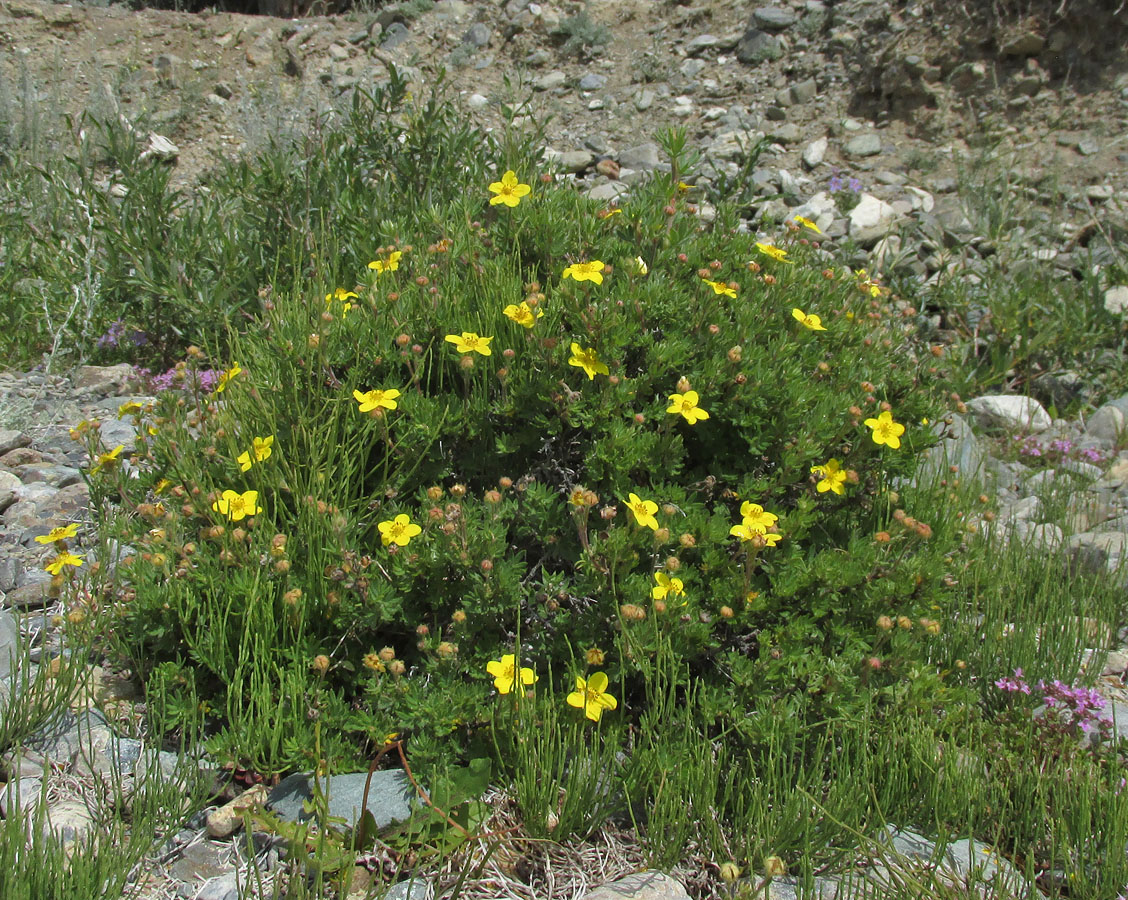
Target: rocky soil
[884, 102]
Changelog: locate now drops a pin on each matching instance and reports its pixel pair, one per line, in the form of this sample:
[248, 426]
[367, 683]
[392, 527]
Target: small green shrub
[582, 36]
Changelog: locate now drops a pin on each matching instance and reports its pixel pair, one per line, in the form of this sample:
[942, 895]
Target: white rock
[921, 199]
[640, 886]
[160, 148]
[1116, 300]
[1008, 412]
[871, 220]
[814, 152]
[477, 101]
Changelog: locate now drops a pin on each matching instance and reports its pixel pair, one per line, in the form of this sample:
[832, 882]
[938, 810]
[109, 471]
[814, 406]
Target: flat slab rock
[1009, 413]
[391, 798]
[640, 886]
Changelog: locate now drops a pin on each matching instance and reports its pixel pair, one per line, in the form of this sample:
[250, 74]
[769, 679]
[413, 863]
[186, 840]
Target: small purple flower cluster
[1057, 450]
[119, 330]
[836, 184]
[1068, 709]
[204, 380]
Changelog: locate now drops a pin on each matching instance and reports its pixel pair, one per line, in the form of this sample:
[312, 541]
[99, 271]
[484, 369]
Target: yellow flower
[61, 533]
[773, 251]
[105, 460]
[588, 360]
[807, 320]
[66, 558]
[469, 342]
[586, 271]
[509, 190]
[129, 408]
[523, 314]
[885, 430]
[221, 385]
[389, 264]
[747, 532]
[608, 213]
[237, 506]
[163, 485]
[341, 296]
[807, 223]
[754, 514]
[666, 585]
[686, 406]
[832, 477]
[371, 400]
[591, 696]
[260, 450]
[641, 268]
[506, 673]
[719, 287]
[398, 531]
[643, 511]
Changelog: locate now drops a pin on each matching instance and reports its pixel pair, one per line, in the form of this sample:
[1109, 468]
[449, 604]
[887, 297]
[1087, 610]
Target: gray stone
[54, 476]
[9, 642]
[223, 887]
[21, 794]
[1116, 300]
[69, 821]
[789, 888]
[612, 190]
[644, 99]
[592, 82]
[804, 91]
[773, 18]
[871, 220]
[1007, 412]
[643, 157]
[1088, 147]
[863, 145]
[758, 47]
[815, 152]
[1099, 551]
[958, 447]
[477, 36]
[701, 43]
[201, 862]
[786, 134]
[1107, 424]
[63, 505]
[550, 81]
[574, 161]
[162, 765]
[391, 797]
[10, 440]
[103, 379]
[647, 885]
[9, 484]
[27, 596]
[410, 890]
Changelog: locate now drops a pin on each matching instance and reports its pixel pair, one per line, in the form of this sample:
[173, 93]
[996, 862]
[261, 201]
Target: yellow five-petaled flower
[509, 190]
[591, 696]
[885, 430]
[643, 511]
[221, 385]
[59, 533]
[666, 585]
[719, 287]
[469, 342]
[588, 360]
[105, 460]
[388, 264]
[807, 223]
[523, 314]
[398, 531]
[754, 514]
[507, 673]
[260, 450]
[65, 558]
[832, 477]
[371, 400]
[807, 320]
[685, 405]
[237, 506]
[342, 296]
[586, 271]
[773, 251]
[755, 533]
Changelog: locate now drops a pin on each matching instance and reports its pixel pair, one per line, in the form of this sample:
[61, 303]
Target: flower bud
[774, 867]
[726, 612]
[884, 623]
[320, 664]
[396, 667]
[387, 654]
[632, 612]
[730, 872]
